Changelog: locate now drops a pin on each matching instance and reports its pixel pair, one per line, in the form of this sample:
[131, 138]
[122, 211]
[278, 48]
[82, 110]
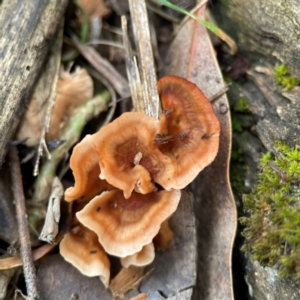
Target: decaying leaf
[57, 279]
[192, 56]
[50, 228]
[73, 89]
[127, 279]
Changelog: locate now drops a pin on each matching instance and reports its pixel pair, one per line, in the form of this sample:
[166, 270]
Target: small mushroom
[129, 157]
[84, 163]
[81, 248]
[123, 225]
[140, 259]
[188, 116]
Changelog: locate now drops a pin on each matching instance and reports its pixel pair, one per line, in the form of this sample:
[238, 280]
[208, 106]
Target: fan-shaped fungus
[142, 258]
[189, 129]
[124, 226]
[85, 165]
[129, 157]
[81, 248]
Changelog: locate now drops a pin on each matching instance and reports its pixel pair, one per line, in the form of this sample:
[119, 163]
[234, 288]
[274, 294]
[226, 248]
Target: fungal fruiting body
[192, 127]
[81, 248]
[128, 156]
[125, 226]
[128, 175]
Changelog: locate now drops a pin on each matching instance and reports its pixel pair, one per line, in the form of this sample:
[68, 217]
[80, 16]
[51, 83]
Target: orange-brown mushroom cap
[191, 127]
[129, 157]
[84, 163]
[81, 248]
[124, 226]
[141, 258]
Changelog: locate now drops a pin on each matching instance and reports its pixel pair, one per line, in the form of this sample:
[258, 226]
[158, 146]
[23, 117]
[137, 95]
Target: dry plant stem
[223, 35]
[71, 135]
[219, 94]
[132, 70]
[16, 261]
[54, 63]
[17, 184]
[104, 67]
[142, 36]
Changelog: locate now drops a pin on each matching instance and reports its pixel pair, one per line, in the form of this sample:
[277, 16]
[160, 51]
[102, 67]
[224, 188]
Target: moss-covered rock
[272, 228]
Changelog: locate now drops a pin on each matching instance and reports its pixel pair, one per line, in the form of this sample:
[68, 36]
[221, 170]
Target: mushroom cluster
[128, 178]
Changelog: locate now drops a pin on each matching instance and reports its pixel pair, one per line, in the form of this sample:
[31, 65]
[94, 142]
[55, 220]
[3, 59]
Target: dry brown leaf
[175, 268]
[50, 228]
[127, 279]
[73, 89]
[192, 56]
[31, 124]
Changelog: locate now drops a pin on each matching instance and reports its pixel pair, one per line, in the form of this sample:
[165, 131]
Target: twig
[219, 93]
[51, 70]
[28, 266]
[132, 70]
[16, 261]
[71, 135]
[103, 66]
[140, 25]
[274, 167]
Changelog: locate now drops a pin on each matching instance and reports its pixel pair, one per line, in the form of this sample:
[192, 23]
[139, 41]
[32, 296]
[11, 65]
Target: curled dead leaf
[73, 89]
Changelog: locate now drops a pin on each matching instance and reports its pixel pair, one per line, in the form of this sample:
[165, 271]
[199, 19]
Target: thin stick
[50, 72]
[103, 66]
[133, 75]
[140, 25]
[28, 266]
[16, 261]
[219, 93]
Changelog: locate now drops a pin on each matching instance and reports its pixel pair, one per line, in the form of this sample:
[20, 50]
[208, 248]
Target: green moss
[272, 227]
[284, 79]
[242, 105]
